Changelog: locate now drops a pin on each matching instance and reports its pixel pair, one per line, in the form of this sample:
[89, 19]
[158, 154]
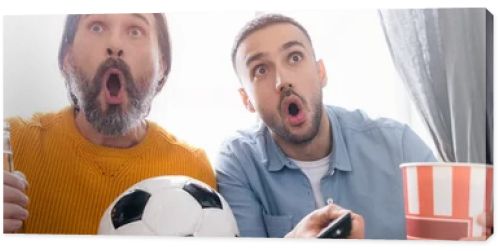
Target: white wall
[200, 103]
[31, 76]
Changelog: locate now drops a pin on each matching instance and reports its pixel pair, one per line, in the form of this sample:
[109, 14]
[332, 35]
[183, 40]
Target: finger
[320, 213]
[21, 176]
[485, 219]
[489, 219]
[358, 227]
[14, 212]
[334, 211]
[13, 195]
[326, 214]
[11, 226]
[489, 232]
[14, 180]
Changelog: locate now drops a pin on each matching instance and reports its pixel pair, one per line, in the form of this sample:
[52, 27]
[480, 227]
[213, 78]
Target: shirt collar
[339, 157]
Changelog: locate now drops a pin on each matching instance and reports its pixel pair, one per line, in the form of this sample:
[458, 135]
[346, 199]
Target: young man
[78, 160]
[305, 154]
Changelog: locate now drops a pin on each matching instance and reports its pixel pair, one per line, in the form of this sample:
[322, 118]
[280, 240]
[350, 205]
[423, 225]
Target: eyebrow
[285, 46]
[142, 17]
[291, 44]
[254, 58]
[139, 16]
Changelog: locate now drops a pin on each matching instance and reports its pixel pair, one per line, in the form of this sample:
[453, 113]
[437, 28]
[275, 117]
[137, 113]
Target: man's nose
[114, 52]
[282, 82]
[114, 48]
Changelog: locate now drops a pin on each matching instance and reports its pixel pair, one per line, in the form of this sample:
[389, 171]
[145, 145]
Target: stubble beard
[277, 124]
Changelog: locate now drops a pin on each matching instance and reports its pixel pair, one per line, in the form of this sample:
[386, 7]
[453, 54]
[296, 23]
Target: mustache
[129, 84]
[93, 88]
[288, 91]
[113, 63]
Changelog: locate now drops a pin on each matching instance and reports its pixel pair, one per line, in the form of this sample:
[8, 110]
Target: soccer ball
[171, 206]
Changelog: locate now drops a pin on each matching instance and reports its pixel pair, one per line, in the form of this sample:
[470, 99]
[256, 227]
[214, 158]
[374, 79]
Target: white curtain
[444, 57]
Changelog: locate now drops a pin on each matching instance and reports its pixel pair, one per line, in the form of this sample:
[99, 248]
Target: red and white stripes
[442, 200]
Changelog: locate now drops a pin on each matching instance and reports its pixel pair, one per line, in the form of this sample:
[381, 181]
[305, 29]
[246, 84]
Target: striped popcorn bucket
[443, 200]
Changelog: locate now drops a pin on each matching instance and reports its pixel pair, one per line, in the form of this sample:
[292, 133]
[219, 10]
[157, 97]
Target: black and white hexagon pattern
[170, 206]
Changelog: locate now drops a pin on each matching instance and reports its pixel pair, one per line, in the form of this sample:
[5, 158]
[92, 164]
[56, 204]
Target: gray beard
[114, 121]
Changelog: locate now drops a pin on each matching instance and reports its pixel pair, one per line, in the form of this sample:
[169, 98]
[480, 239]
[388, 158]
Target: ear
[160, 84]
[162, 71]
[246, 100]
[322, 73]
[66, 64]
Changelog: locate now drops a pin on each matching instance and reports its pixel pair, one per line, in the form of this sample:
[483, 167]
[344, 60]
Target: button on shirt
[269, 194]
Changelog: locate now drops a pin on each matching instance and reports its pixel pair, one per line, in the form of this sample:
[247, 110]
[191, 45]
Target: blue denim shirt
[269, 194]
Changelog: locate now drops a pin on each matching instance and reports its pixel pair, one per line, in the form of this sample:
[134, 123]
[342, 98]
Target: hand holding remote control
[340, 228]
[339, 223]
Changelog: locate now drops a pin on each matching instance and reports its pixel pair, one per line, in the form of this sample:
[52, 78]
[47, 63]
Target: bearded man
[73, 163]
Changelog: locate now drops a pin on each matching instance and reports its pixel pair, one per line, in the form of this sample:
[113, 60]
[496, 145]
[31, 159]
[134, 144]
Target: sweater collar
[71, 130]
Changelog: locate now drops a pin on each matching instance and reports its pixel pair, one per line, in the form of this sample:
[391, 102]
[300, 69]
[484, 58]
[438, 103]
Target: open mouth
[293, 109]
[114, 87]
[113, 84]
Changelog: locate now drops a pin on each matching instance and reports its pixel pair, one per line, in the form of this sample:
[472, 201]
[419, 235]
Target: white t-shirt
[315, 170]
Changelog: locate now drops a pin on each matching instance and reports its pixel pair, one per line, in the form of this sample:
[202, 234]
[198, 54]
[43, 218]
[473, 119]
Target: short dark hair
[163, 42]
[261, 22]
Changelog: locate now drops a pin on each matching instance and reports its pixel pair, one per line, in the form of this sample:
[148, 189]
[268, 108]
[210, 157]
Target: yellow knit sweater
[72, 181]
